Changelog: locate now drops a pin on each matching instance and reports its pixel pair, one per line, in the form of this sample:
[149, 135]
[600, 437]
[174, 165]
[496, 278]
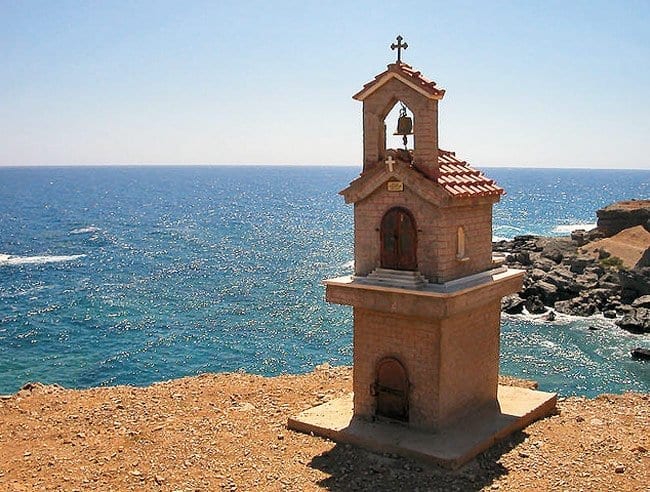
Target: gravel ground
[228, 432]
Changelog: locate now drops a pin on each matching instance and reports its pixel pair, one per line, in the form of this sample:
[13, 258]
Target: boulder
[602, 298]
[580, 237]
[643, 301]
[610, 314]
[550, 316]
[611, 276]
[578, 306]
[577, 264]
[528, 282]
[537, 274]
[613, 304]
[544, 264]
[640, 353]
[594, 235]
[522, 257]
[503, 245]
[644, 261]
[587, 280]
[557, 248]
[524, 238]
[624, 310]
[534, 305]
[519, 243]
[636, 282]
[547, 292]
[512, 304]
[564, 280]
[596, 269]
[526, 242]
[621, 215]
[553, 254]
[585, 309]
[609, 286]
[638, 321]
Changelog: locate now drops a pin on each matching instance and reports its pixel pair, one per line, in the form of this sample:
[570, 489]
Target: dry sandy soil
[628, 245]
[228, 432]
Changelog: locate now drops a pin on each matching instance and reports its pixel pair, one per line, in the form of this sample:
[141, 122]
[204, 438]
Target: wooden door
[391, 390]
[398, 240]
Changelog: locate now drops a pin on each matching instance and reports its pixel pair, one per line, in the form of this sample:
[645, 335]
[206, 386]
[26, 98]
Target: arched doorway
[391, 390]
[398, 240]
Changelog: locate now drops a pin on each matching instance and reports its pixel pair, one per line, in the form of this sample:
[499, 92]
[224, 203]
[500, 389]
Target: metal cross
[390, 161]
[399, 46]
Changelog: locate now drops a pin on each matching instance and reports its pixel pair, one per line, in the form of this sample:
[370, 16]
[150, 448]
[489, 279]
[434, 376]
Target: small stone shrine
[426, 293]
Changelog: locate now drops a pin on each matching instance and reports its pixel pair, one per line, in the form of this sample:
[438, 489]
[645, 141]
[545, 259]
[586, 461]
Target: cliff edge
[227, 432]
[613, 218]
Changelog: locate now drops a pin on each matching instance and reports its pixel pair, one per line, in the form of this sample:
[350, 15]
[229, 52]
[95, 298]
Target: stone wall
[452, 363]
[469, 365]
[408, 339]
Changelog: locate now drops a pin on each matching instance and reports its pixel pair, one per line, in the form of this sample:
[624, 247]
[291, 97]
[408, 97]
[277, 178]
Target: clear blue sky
[115, 82]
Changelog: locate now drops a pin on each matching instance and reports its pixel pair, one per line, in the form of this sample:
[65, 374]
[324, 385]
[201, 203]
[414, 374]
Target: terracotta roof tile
[460, 179]
[415, 77]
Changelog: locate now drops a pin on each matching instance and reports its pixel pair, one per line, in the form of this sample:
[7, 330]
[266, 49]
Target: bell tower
[400, 83]
[425, 294]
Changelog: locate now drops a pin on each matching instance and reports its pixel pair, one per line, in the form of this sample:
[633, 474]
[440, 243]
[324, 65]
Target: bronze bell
[404, 123]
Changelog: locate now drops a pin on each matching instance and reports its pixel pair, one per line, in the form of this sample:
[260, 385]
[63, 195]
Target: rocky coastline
[605, 270]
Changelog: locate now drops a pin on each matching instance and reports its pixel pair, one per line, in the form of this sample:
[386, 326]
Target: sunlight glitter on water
[190, 270]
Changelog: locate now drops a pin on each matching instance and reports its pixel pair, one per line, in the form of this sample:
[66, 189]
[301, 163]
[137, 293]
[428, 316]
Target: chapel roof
[460, 179]
[453, 179]
[407, 74]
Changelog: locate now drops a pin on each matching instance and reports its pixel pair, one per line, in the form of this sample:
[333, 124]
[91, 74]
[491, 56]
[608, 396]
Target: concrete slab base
[451, 447]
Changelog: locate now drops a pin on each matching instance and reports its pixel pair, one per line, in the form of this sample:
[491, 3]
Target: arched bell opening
[391, 390]
[398, 235]
[399, 124]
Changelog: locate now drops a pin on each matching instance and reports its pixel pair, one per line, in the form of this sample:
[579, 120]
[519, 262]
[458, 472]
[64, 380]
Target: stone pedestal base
[451, 447]
[442, 341]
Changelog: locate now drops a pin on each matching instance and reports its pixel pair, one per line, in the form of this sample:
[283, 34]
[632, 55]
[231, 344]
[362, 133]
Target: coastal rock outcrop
[644, 261]
[638, 321]
[513, 304]
[579, 275]
[613, 218]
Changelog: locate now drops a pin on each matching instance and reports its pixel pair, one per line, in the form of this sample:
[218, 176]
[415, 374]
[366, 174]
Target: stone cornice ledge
[434, 300]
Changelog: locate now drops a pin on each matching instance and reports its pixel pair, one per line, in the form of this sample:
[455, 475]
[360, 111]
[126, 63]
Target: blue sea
[130, 275]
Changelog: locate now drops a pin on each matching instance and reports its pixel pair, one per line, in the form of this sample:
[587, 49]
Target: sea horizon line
[296, 165]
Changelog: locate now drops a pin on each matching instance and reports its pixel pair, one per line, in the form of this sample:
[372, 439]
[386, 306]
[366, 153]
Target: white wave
[548, 344]
[506, 228]
[596, 320]
[7, 260]
[85, 230]
[348, 264]
[574, 227]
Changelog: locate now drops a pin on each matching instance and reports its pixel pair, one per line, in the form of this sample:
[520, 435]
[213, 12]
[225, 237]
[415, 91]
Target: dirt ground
[228, 432]
[628, 245]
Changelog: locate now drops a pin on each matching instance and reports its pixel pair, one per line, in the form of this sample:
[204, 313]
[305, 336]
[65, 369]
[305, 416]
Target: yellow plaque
[395, 186]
